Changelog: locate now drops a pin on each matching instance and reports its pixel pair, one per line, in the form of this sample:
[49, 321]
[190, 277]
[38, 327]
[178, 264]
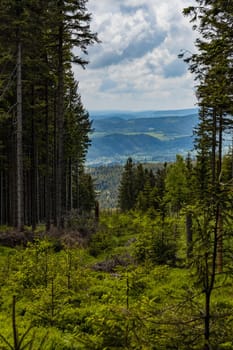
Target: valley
[147, 136]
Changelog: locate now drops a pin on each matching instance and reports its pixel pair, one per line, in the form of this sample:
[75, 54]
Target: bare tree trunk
[1, 198]
[77, 187]
[14, 327]
[19, 143]
[69, 194]
[54, 171]
[214, 143]
[60, 133]
[12, 186]
[34, 208]
[47, 175]
[207, 321]
[220, 219]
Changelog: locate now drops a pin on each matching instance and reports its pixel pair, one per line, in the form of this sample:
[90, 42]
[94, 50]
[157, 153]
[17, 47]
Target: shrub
[155, 248]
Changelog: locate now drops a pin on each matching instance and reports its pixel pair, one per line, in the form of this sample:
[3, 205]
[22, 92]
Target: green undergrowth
[130, 288]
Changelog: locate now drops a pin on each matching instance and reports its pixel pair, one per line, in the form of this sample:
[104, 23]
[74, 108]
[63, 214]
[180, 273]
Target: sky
[136, 65]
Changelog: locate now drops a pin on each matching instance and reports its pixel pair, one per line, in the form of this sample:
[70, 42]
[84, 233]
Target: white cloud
[136, 65]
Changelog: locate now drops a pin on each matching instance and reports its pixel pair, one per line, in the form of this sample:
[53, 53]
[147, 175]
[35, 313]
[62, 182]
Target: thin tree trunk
[189, 234]
[77, 187]
[47, 174]
[69, 201]
[12, 186]
[214, 143]
[220, 223]
[207, 321]
[34, 168]
[14, 327]
[19, 143]
[60, 130]
[1, 198]
[54, 184]
[210, 280]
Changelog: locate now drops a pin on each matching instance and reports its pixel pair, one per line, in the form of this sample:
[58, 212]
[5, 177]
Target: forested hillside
[107, 181]
[127, 115]
[154, 136]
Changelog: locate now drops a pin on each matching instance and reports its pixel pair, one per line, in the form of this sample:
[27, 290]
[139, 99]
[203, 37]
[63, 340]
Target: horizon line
[140, 110]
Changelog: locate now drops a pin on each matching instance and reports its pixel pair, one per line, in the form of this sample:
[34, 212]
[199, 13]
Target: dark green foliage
[127, 189]
[86, 193]
[213, 71]
[157, 245]
[140, 188]
[107, 179]
[55, 124]
[227, 169]
[171, 187]
[101, 243]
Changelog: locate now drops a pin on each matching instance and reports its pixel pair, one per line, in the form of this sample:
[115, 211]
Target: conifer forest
[156, 271]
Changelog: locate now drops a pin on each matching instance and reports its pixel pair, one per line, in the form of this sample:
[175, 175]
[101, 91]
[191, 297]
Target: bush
[154, 248]
[163, 252]
[83, 223]
[101, 242]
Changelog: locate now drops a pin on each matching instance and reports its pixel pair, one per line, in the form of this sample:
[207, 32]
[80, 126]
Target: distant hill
[145, 147]
[96, 115]
[145, 136]
[174, 125]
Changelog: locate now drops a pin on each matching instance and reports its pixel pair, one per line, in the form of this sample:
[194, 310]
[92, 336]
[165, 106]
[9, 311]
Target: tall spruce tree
[212, 66]
[55, 125]
[127, 197]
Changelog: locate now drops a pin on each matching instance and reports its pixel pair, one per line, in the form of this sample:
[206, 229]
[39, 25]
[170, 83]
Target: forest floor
[10, 237]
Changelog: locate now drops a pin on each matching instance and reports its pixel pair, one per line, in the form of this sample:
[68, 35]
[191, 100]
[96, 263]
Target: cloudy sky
[136, 66]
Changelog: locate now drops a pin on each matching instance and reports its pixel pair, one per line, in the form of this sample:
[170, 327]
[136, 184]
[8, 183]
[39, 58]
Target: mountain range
[146, 136]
